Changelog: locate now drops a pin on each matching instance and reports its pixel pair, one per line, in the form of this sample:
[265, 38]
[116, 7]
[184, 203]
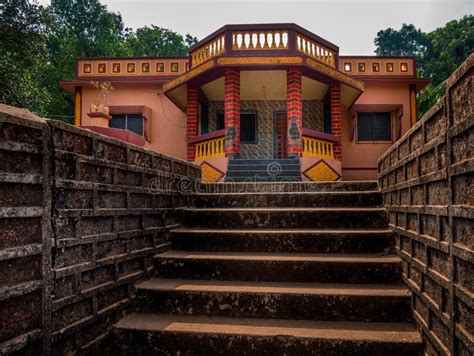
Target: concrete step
[261, 179]
[264, 167]
[291, 241]
[285, 218]
[297, 199]
[243, 162]
[153, 334]
[276, 300]
[279, 267]
[292, 187]
[250, 173]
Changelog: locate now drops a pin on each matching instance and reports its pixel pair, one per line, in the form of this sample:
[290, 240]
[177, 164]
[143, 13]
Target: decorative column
[232, 111]
[191, 120]
[336, 117]
[294, 103]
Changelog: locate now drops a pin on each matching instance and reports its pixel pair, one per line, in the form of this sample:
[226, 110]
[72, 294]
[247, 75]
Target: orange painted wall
[168, 123]
[364, 155]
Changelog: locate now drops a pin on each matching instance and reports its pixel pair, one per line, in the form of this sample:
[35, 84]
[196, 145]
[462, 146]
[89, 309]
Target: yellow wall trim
[259, 60]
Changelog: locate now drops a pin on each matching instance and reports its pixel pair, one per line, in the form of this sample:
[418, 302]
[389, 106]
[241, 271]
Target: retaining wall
[427, 182]
[81, 216]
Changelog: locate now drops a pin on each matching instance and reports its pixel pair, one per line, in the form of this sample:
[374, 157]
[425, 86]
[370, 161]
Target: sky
[352, 25]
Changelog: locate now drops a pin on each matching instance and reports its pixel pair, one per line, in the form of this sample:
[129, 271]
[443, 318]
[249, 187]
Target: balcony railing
[315, 50]
[259, 40]
[276, 38]
[318, 144]
[209, 145]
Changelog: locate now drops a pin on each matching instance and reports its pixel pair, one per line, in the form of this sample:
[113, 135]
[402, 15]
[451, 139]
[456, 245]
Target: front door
[280, 135]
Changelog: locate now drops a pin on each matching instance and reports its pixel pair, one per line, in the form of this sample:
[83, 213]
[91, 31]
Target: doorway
[280, 134]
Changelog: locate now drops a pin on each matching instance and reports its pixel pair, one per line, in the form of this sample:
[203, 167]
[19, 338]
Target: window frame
[144, 122]
[358, 140]
[254, 112]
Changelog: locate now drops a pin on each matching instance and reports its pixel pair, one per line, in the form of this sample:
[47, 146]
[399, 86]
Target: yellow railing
[315, 50]
[313, 147]
[208, 51]
[209, 149]
[259, 40]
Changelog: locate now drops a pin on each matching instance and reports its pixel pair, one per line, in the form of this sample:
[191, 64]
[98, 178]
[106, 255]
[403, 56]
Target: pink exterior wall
[359, 160]
[167, 126]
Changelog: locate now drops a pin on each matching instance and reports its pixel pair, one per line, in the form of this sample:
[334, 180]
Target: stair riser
[261, 174]
[262, 162]
[139, 343]
[262, 167]
[279, 242]
[278, 271]
[277, 306]
[288, 187]
[373, 199]
[253, 179]
[324, 219]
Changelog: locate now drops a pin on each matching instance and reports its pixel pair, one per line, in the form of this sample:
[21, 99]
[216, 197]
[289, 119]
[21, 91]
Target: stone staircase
[264, 170]
[261, 273]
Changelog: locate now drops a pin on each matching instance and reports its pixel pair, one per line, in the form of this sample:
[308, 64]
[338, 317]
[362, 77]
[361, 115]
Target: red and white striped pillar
[191, 121]
[232, 111]
[294, 103]
[336, 117]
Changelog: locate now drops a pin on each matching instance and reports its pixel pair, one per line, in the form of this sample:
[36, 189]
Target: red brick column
[232, 111]
[294, 103]
[191, 120]
[336, 117]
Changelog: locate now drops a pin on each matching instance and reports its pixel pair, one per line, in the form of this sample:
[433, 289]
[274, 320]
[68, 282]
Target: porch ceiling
[264, 85]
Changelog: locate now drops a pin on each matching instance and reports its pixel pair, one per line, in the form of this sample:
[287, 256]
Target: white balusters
[208, 51]
[315, 50]
[259, 40]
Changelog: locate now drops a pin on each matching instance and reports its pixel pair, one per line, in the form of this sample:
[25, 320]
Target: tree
[408, 41]
[438, 53]
[39, 47]
[156, 41]
[84, 28]
[24, 27]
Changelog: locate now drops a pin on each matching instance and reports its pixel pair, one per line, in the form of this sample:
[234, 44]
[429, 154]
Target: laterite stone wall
[427, 182]
[82, 217]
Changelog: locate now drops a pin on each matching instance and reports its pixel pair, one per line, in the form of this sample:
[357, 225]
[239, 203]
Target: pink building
[265, 102]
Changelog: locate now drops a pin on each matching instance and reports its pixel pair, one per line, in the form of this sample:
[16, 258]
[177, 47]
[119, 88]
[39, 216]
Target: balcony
[264, 39]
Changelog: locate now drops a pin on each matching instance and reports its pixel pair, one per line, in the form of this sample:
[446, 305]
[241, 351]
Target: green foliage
[408, 41]
[156, 41]
[39, 47]
[438, 53]
[24, 27]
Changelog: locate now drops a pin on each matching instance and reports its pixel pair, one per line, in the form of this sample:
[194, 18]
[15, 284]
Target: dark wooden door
[280, 135]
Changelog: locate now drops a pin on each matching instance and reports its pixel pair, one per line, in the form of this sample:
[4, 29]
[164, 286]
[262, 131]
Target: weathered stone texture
[428, 192]
[81, 217]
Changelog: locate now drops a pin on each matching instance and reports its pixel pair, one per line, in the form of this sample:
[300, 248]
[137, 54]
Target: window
[116, 68]
[130, 67]
[248, 126]
[375, 67]
[374, 126]
[131, 122]
[403, 67]
[361, 67]
[175, 67]
[389, 67]
[347, 67]
[220, 124]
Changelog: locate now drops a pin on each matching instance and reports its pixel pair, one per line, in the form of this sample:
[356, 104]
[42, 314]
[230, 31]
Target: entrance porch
[264, 94]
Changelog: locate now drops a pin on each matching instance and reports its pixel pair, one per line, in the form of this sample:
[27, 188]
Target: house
[268, 93]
